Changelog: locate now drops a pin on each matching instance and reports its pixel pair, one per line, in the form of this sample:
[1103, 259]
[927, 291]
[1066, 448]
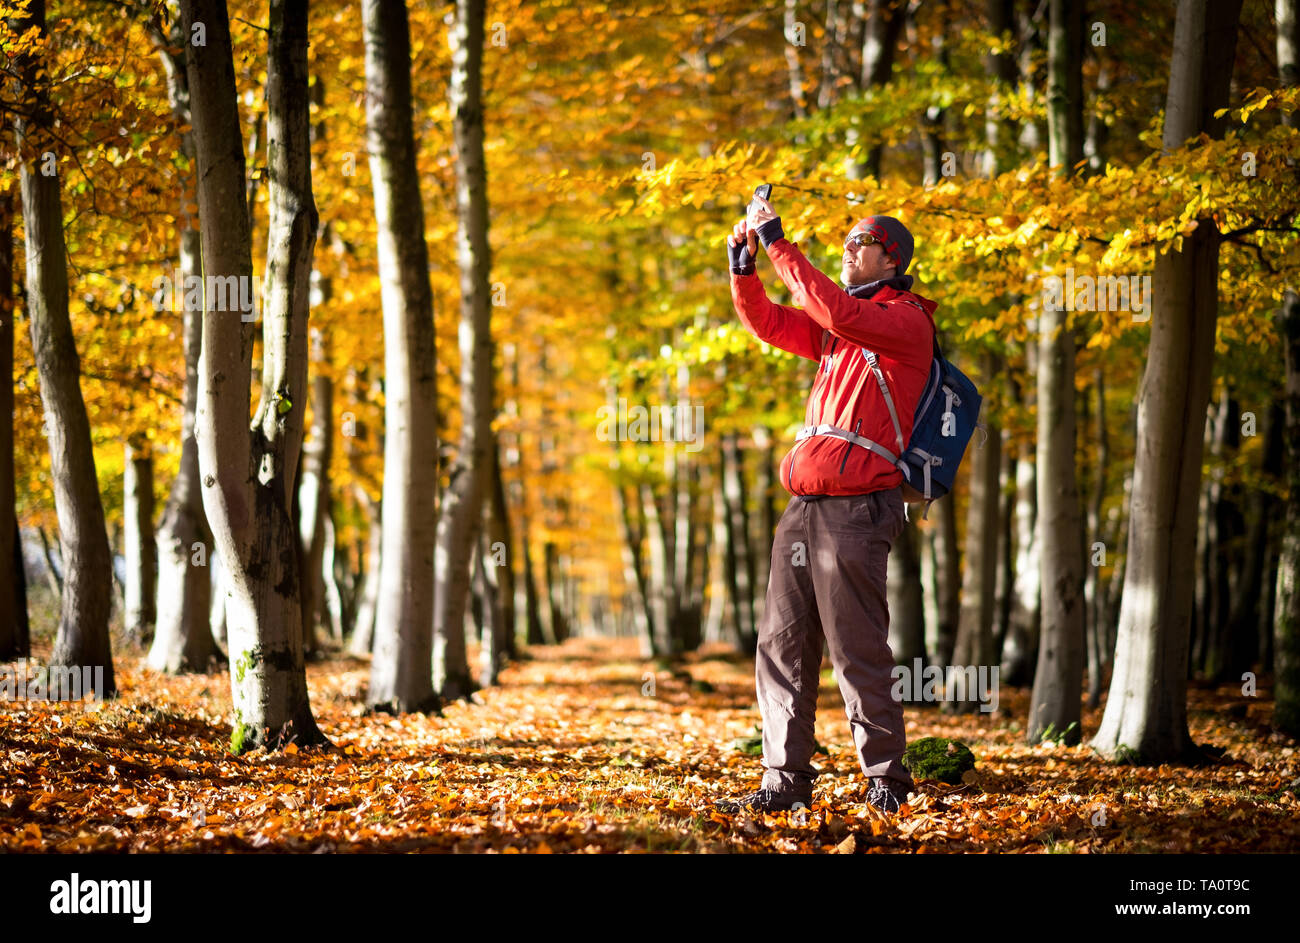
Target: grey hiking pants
[829, 558]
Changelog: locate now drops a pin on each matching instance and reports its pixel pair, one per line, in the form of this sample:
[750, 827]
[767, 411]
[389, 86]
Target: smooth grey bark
[947, 577]
[657, 589]
[501, 575]
[1093, 591]
[979, 583]
[906, 608]
[1004, 588]
[738, 558]
[334, 571]
[1020, 650]
[1055, 706]
[248, 474]
[635, 589]
[139, 549]
[1146, 712]
[183, 634]
[1286, 619]
[82, 639]
[363, 625]
[314, 496]
[487, 610]
[461, 515]
[15, 634]
[401, 676]
[1286, 613]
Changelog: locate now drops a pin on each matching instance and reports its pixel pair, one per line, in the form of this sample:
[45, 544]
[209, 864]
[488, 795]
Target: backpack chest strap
[853, 437]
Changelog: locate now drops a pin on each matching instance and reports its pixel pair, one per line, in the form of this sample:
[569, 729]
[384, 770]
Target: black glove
[770, 232]
[742, 263]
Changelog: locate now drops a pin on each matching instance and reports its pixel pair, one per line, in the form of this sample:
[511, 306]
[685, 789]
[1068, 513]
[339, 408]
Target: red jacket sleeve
[779, 325]
[894, 329]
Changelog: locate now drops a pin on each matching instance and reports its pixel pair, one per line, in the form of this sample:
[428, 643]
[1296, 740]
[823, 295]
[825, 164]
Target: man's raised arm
[779, 325]
[892, 329]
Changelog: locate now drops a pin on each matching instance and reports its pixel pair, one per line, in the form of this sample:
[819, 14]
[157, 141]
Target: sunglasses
[861, 239]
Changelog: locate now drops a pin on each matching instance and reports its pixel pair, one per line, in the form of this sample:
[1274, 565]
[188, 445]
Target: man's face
[862, 265]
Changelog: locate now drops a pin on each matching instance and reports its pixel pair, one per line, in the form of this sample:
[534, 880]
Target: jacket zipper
[822, 374]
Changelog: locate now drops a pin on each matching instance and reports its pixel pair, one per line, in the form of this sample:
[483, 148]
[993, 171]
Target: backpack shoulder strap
[870, 356]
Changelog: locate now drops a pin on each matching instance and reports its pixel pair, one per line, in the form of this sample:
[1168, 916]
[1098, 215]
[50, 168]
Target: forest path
[575, 752]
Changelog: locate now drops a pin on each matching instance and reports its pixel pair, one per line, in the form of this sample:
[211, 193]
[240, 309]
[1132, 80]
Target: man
[831, 547]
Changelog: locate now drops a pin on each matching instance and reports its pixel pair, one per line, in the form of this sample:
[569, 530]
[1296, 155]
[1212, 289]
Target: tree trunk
[999, 131]
[314, 496]
[656, 574]
[1020, 653]
[933, 145]
[906, 612]
[884, 23]
[462, 511]
[979, 583]
[1006, 556]
[1056, 703]
[1253, 593]
[183, 637]
[717, 570]
[363, 627]
[499, 574]
[1146, 712]
[401, 676]
[947, 577]
[740, 567]
[82, 639]
[331, 607]
[139, 548]
[1094, 594]
[1286, 619]
[15, 635]
[634, 573]
[248, 480]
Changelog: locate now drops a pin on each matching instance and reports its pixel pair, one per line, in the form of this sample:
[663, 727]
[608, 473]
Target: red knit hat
[893, 237]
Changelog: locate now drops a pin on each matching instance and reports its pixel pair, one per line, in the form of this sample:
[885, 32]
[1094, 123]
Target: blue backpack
[946, 417]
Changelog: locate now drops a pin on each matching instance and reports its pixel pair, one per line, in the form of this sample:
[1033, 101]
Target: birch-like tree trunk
[947, 577]
[314, 495]
[183, 634]
[461, 515]
[401, 675]
[248, 479]
[82, 639]
[1055, 704]
[979, 583]
[906, 604]
[363, 626]
[1286, 615]
[1146, 712]
[15, 635]
[138, 543]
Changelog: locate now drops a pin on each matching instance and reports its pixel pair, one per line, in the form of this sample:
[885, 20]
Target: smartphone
[763, 190]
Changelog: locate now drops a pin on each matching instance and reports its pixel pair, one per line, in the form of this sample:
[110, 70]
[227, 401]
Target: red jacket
[833, 328]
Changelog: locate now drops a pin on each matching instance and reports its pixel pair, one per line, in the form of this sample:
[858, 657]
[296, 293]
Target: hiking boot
[763, 800]
[887, 794]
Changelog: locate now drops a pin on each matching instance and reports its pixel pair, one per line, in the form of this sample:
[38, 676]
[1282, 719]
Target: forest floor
[572, 753]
